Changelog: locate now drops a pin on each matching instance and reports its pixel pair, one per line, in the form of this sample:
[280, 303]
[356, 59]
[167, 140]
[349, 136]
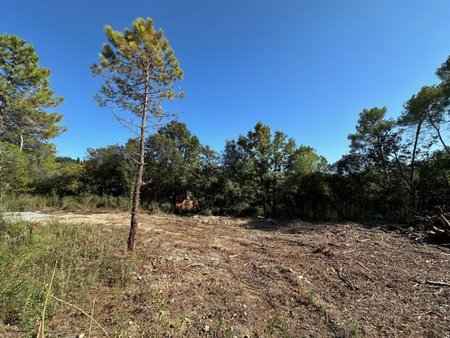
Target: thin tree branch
[82, 311]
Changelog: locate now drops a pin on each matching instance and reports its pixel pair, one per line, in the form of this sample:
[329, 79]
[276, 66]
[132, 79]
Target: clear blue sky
[304, 67]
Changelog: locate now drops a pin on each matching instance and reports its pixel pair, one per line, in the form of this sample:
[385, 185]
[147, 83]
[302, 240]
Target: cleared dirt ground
[226, 277]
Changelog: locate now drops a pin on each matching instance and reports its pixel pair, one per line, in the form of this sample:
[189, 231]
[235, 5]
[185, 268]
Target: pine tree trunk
[433, 124]
[413, 164]
[383, 160]
[140, 172]
[413, 159]
[135, 206]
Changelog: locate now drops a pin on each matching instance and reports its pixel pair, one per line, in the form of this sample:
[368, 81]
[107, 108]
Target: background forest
[394, 168]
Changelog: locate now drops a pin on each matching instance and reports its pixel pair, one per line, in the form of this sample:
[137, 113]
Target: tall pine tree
[139, 69]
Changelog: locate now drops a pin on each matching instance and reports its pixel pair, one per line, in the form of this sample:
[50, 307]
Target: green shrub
[206, 212]
[166, 207]
[153, 207]
[257, 212]
[53, 201]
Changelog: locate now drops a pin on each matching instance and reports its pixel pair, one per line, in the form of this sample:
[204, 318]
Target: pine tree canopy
[25, 95]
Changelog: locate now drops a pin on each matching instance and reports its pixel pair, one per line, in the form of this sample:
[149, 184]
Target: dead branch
[444, 221]
[127, 123]
[144, 183]
[82, 311]
[437, 283]
[344, 279]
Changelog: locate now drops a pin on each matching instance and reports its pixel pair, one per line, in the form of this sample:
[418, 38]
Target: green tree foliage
[443, 112]
[349, 189]
[181, 168]
[109, 171]
[173, 159]
[14, 176]
[263, 161]
[433, 183]
[259, 159]
[425, 113]
[68, 180]
[207, 181]
[25, 96]
[236, 194]
[443, 72]
[42, 162]
[307, 161]
[414, 116]
[261, 173]
[376, 144]
[305, 191]
[139, 69]
[374, 140]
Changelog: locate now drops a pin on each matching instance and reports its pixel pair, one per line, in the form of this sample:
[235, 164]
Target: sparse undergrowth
[67, 203]
[29, 252]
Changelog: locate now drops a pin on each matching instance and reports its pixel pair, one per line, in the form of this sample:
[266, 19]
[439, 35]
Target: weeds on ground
[314, 299]
[354, 331]
[53, 201]
[275, 326]
[28, 255]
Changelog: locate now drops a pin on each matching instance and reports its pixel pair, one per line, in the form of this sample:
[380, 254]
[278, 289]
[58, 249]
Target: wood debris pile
[436, 224]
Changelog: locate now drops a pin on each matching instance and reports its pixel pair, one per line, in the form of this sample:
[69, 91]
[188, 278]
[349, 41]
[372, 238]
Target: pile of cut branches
[435, 223]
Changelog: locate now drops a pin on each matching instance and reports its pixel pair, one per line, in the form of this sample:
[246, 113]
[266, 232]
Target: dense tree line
[395, 167]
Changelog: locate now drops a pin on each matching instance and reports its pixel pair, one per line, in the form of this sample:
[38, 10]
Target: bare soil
[229, 277]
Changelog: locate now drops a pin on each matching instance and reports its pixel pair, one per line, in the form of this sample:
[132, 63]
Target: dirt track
[225, 277]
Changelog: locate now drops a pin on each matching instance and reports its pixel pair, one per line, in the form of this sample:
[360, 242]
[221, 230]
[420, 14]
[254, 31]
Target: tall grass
[69, 203]
[84, 257]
